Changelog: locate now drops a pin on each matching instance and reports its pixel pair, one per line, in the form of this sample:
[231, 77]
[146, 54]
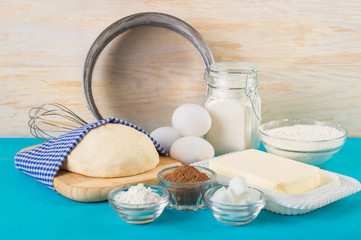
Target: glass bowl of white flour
[305, 140]
[138, 204]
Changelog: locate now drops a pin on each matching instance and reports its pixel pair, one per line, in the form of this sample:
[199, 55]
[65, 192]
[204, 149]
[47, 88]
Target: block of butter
[268, 171]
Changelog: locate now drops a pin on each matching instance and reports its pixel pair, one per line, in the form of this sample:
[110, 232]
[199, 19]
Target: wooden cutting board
[90, 189]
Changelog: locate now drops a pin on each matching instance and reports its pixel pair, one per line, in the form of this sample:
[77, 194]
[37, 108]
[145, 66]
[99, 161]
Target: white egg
[191, 149]
[165, 136]
[191, 120]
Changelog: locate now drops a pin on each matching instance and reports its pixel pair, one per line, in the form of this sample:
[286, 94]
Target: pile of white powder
[305, 143]
[304, 137]
[305, 132]
[138, 194]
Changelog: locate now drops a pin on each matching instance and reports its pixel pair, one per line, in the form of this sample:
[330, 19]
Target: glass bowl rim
[208, 201]
[314, 122]
[163, 200]
[211, 179]
[326, 150]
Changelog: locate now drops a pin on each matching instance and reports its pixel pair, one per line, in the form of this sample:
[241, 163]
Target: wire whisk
[51, 120]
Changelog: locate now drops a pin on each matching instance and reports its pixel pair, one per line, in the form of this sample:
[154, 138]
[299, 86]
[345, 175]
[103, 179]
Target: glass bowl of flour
[138, 204]
[305, 140]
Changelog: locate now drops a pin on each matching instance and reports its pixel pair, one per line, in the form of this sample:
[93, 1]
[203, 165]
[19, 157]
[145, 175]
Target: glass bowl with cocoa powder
[186, 185]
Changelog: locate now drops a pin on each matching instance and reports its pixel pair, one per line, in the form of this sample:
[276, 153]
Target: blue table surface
[32, 211]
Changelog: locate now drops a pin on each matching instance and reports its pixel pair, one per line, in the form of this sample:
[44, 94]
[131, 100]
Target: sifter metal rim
[122, 25]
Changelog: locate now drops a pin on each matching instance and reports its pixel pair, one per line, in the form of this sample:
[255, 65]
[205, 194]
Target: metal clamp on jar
[234, 105]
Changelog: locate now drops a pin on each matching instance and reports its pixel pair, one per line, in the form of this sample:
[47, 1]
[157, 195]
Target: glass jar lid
[233, 68]
[232, 75]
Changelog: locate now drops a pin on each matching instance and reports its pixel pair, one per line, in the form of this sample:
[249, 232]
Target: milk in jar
[234, 105]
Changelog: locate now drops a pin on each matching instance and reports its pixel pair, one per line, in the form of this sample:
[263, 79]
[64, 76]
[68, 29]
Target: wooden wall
[308, 53]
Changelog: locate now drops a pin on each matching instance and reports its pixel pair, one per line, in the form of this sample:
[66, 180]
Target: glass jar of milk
[234, 105]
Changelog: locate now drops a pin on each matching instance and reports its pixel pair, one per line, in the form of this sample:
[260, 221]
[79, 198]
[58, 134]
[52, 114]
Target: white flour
[304, 138]
[138, 194]
[305, 143]
[305, 132]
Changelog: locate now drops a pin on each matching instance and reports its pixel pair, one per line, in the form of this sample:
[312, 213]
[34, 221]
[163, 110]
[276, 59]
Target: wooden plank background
[308, 53]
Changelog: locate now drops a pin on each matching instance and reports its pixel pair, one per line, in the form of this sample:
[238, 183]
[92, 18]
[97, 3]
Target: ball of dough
[112, 150]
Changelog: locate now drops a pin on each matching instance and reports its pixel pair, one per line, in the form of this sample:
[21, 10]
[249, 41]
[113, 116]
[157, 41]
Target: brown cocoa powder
[186, 174]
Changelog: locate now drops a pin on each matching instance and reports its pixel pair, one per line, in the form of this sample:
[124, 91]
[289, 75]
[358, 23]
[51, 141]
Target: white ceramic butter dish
[333, 187]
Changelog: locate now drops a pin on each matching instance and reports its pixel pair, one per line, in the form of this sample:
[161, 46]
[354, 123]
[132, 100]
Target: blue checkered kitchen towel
[44, 161]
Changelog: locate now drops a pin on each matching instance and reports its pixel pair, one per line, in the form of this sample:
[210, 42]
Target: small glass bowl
[186, 196]
[316, 153]
[139, 213]
[235, 214]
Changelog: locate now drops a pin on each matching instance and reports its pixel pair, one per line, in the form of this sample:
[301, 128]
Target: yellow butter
[268, 171]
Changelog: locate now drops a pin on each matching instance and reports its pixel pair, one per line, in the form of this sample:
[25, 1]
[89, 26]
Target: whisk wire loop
[51, 120]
